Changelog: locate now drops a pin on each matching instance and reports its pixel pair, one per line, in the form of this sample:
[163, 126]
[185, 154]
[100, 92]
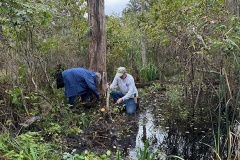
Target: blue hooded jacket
[78, 81]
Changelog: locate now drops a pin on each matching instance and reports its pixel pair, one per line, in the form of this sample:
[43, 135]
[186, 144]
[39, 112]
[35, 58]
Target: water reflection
[147, 130]
[173, 136]
[186, 131]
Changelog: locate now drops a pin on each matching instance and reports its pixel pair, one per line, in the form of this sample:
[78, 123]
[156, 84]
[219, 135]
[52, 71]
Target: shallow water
[188, 137]
[147, 130]
[184, 131]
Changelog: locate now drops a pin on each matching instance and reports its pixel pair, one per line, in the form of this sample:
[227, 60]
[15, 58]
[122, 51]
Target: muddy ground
[112, 130]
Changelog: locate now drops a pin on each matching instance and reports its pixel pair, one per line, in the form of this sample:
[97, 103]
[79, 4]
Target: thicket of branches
[190, 42]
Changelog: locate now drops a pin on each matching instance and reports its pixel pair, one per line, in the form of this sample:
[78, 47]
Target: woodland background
[192, 43]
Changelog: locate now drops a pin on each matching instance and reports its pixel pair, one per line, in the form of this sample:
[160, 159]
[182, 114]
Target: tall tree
[233, 6]
[143, 40]
[97, 38]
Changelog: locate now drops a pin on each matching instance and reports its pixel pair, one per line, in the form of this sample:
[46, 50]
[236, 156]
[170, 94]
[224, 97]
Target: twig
[3, 128]
[107, 98]
[33, 119]
[199, 89]
[100, 143]
[210, 71]
[24, 102]
[229, 90]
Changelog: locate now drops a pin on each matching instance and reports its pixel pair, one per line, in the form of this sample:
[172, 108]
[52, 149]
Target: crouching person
[127, 94]
[78, 82]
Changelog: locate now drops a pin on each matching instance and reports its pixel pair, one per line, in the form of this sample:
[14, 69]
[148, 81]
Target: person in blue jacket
[78, 82]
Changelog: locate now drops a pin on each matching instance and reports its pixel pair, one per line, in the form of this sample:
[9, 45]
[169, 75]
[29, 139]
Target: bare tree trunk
[233, 6]
[143, 41]
[97, 39]
[144, 59]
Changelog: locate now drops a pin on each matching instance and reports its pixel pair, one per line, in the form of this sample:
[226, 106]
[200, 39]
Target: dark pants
[131, 106]
[85, 98]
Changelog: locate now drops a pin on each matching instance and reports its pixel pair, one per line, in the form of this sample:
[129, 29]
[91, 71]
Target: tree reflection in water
[169, 135]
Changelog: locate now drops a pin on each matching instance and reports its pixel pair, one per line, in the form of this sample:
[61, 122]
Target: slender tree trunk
[233, 6]
[238, 136]
[143, 41]
[97, 39]
[144, 59]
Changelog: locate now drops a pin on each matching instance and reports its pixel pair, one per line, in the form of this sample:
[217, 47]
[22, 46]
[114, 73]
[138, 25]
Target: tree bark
[97, 39]
[143, 40]
[233, 6]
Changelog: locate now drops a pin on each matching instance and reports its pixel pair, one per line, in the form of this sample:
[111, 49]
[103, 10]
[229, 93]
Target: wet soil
[185, 131]
[114, 130]
[110, 131]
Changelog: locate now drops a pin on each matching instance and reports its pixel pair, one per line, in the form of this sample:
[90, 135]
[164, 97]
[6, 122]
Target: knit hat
[59, 80]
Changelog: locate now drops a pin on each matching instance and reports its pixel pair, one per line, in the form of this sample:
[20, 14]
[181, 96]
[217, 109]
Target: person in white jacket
[127, 93]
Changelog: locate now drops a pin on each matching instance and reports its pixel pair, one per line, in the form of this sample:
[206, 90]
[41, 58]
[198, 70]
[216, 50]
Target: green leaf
[108, 153]
[32, 150]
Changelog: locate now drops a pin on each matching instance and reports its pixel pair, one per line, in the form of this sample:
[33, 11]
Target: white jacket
[126, 86]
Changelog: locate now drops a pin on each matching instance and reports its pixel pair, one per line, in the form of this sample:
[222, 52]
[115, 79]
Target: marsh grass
[149, 73]
[225, 120]
[146, 154]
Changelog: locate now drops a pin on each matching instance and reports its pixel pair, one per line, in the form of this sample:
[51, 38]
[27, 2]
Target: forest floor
[112, 129]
